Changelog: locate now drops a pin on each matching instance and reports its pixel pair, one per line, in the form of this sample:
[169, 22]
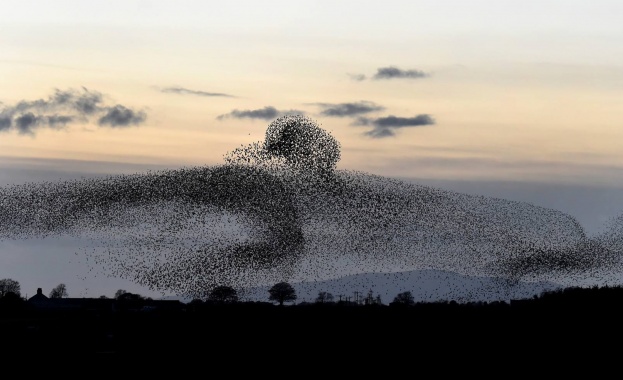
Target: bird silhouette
[280, 210]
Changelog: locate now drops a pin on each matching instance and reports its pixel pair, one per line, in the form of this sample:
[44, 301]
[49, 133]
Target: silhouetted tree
[8, 285]
[223, 294]
[324, 297]
[119, 293]
[127, 296]
[282, 292]
[130, 301]
[404, 298]
[59, 291]
[11, 303]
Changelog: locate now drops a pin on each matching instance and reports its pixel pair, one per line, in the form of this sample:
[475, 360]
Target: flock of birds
[279, 210]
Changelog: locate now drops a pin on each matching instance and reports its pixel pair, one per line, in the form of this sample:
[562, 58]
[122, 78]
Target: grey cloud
[185, 91]
[399, 122]
[25, 105]
[349, 109]
[266, 113]
[64, 107]
[62, 97]
[88, 103]
[357, 77]
[59, 120]
[392, 72]
[120, 116]
[26, 122]
[385, 126]
[5, 123]
[379, 133]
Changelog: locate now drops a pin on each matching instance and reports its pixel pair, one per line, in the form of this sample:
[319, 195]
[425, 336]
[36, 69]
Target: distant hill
[426, 285]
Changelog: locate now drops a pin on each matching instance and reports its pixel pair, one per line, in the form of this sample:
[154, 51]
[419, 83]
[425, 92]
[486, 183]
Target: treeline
[284, 294]
[136, 324]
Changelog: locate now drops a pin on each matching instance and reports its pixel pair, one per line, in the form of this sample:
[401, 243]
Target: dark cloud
[5, 123]
[64, 107]
[185, 91]
[392, 72]
[385, 126]
[120, 116]
[85, 102]
[398, 122]
[349, 109]
[26, 122]
[88, 103]
[266, 113]
[25, 105]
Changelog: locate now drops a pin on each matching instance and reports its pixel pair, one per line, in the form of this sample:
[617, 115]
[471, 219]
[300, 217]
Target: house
[39, 299]
[100, 306]
[40, 302]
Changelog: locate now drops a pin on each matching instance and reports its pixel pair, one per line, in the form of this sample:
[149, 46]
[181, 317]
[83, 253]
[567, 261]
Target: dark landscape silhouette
[130, 323]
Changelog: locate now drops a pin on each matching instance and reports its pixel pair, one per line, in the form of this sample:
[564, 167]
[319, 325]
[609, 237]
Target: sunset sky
[509, 95]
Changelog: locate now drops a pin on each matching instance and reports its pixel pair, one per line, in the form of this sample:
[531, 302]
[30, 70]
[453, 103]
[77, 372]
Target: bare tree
[8, 285]
[59, 291]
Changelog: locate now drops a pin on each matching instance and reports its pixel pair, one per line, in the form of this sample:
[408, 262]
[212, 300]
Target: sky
[519, 100]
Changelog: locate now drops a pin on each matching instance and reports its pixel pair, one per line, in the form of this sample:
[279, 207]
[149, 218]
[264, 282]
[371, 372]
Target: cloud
[379, 133]
[88, 103]
[185, 91]
[266, 113]
[120, 116]
[392, 72]
[59, 120]
[85, 102]
[349, 109]
[5, 123]
[26, 123]
[65, 107]
[386, 126]
[357, 77]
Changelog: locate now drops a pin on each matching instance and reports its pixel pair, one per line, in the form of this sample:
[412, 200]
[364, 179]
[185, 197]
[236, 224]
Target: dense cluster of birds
[279, 210]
